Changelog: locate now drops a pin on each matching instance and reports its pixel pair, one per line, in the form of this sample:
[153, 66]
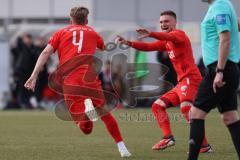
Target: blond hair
[79, 14]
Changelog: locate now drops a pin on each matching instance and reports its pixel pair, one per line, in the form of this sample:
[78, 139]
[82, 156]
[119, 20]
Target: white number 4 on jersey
[79, 43]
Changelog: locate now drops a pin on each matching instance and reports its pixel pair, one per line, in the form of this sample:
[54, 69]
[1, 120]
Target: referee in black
[220, 47]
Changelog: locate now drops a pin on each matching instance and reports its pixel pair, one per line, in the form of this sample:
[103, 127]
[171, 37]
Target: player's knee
[226, 119]
[158, 106]
[229, 117]
[196, 113]
[86, 127]
[185, 107]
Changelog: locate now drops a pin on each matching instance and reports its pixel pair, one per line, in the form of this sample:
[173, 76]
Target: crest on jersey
[183, 88]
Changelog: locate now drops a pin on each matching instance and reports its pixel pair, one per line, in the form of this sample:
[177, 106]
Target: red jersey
[179, 49]
[72, 43]
[74, 40]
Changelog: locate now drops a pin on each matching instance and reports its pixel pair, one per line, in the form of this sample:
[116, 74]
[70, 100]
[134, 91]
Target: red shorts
[185, 90]
[76, 90]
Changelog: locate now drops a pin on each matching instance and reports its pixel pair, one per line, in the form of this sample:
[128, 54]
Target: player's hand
[144, 33]
[218, 81]
[122, 40]
[30, 84]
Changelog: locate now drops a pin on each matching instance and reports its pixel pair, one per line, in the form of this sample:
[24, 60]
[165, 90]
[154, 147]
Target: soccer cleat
[206, 149]
[90, 111]
[124, 152]
[164, 143]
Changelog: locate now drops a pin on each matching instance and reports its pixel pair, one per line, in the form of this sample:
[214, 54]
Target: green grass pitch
[36, 135]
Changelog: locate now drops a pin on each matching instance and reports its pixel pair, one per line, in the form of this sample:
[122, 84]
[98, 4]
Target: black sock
[197, 131]
[234, 129]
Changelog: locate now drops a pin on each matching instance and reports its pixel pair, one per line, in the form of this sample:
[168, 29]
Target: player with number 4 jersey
[79, 40]
[74, 40]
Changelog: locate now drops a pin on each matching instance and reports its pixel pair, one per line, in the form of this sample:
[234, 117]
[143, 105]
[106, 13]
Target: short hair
[170, 13]
[79, 14]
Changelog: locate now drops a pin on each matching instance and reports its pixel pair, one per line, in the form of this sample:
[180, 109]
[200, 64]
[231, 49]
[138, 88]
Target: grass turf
[36, 135]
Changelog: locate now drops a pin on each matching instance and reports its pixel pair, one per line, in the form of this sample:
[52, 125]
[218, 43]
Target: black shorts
[225, 99]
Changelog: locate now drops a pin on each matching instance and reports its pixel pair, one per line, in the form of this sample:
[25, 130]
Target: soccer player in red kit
[176, 43]
[71, 41]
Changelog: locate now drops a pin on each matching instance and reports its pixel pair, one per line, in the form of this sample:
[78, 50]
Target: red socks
[112, 127]
[162, 119]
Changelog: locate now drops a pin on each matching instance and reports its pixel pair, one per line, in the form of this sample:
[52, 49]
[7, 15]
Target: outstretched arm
[42, 60]
[143, 46]
[144, 33]
[165, 36]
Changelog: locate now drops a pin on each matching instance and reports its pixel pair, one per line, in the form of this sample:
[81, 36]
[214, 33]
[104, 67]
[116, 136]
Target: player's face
[167, 23]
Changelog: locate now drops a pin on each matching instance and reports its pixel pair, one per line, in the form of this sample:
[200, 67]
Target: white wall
[141, 11]
[39, 8]
[146, 12]
[4, 66]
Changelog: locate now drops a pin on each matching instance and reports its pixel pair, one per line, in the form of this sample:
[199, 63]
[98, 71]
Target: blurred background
[26, 25]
